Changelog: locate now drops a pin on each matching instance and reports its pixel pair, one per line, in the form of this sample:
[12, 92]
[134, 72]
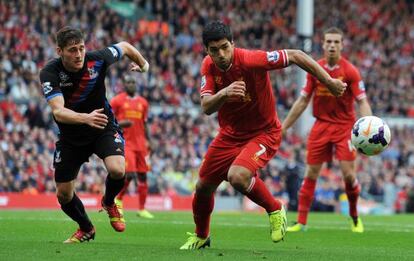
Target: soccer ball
[370, 135]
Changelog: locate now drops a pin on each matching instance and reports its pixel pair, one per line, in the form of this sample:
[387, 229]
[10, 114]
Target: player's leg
[319, 150]
[142, 168]
[130, 172]
[306, 195]
[203, 205]
[352, 190]
[142, 196]
[110, 148]
[212, 172]
[67, 161]
[242, 176]
[346, 154]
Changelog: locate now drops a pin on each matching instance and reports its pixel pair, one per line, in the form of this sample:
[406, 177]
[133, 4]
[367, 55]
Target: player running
[73, 85]
[331, 133]
[236, 83]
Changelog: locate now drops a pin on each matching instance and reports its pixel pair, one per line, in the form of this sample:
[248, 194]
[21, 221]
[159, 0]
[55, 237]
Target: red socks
[259, 194]
[352, 191]
[202, 208]
[142, 194]
[306, 193]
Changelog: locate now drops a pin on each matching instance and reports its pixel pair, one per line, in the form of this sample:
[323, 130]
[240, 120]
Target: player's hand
[97, 119]
[336, 87]
[136, 68]
[125, 123]
[235, 91]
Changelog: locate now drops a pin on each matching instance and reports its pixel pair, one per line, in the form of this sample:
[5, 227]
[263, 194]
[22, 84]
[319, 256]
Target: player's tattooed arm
[95, 119]
[304, 61]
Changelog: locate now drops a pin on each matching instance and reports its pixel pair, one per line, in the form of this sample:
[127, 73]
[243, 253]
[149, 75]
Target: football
[370, 135]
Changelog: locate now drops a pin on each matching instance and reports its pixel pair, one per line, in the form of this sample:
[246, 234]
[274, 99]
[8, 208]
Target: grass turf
[38, 235]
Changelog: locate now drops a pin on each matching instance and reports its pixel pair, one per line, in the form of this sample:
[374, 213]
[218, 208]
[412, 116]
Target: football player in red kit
[235, 83]
[331, 133]
[131, 110]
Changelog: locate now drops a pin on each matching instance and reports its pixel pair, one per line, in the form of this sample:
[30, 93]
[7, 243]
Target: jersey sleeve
[270, 60]
[110, 54]
[50, 84]
[207, 79]
[356, 83]
[309, 86]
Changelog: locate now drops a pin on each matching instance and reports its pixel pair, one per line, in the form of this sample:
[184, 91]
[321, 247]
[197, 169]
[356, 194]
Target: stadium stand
[381, 44]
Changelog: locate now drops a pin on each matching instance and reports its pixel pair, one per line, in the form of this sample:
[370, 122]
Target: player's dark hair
[216, 30]
[333, 30]
[68, 35]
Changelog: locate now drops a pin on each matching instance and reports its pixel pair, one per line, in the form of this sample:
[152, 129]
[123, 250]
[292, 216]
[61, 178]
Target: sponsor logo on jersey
[65, 84]
[113, 51]
[47, 88]
[92, 73]
[203, 82]
[361, 85]
[272, 57]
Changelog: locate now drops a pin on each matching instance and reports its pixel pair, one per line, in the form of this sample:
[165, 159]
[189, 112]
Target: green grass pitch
[38, 235]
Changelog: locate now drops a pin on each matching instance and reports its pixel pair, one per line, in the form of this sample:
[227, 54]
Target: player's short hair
[216, 30]
[68, 35]
[333, 30]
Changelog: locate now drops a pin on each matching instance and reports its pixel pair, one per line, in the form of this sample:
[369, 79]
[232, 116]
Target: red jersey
[134, 109]
[256, 112]
[326, 107]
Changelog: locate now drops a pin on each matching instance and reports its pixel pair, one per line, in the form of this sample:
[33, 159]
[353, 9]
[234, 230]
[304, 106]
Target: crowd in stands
[379, 39]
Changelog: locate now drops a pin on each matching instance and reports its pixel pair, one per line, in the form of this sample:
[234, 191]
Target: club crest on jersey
[272, 57]
[92, 73]
[203, 82]
[46, 88]
[218, 80]
[63, 76]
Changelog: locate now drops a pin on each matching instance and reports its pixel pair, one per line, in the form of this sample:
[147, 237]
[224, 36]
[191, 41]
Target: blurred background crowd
[379, 39]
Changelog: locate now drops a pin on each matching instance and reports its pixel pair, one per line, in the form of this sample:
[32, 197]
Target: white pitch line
[326, 225]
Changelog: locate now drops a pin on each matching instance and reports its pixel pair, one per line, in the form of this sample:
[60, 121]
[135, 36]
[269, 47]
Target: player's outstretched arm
[234, 92]
[297, 109]
[304, 61]
[95, 119]
[139, 63]
[364, 107]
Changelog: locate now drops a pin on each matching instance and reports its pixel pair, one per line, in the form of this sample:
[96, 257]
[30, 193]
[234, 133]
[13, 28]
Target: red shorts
[136, 161]
[326, 139]
[224, 152]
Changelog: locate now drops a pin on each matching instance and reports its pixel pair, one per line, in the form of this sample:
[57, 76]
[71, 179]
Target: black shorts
[68, 158]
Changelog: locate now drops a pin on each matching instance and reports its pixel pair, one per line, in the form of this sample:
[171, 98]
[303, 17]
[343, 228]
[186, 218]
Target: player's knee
[64, 197]
[312, 172]
[239, 181]
[142, 177]
[116, 172]
[348, 177]
[202, 189]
